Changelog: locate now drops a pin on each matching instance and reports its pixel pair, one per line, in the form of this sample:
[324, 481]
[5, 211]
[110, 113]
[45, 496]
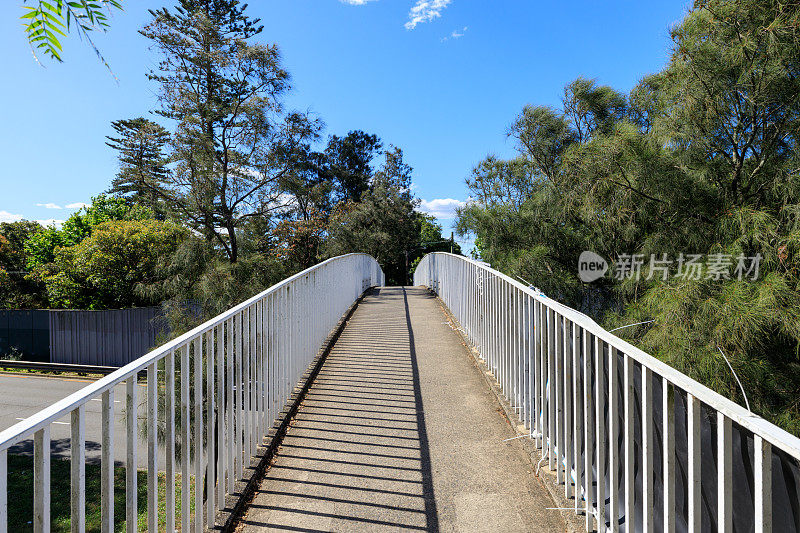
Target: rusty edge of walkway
[244, 490]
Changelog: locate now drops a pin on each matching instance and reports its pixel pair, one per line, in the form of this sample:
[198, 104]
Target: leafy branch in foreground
[46, 23]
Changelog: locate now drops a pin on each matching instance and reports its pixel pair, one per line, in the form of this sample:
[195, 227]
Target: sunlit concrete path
[399, 432]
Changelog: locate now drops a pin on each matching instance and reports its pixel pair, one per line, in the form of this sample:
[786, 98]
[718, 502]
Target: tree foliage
[40, 247]
[106, 269]
[16, 291]
[47, 22]
[232, 141]
[700, 158]
[383, 223]
[140, 144]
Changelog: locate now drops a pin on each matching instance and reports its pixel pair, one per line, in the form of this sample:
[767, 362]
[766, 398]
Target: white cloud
[444, 208]
[5, 216]
[77, 205]
[425, 11]
[355, 2]
[456, 34]
[50, 205]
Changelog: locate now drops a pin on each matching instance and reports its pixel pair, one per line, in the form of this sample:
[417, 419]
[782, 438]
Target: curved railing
[229, 378]
[657, 449]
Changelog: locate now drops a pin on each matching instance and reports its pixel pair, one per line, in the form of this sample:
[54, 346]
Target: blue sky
[442, 79]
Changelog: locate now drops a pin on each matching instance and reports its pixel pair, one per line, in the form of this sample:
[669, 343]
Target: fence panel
[106, 338]
[25, 331]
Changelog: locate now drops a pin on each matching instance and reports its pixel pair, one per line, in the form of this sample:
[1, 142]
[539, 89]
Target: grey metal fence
[106, 338]
[25, 332]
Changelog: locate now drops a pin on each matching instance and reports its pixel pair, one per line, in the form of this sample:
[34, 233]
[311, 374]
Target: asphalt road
[22, 395]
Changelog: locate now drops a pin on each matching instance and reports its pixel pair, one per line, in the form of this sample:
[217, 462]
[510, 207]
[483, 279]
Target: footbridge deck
[399, 432]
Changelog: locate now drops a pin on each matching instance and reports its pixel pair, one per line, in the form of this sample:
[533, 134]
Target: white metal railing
[226, 380]
[578, 388]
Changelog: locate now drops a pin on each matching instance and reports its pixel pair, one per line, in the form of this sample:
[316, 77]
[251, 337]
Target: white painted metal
[186, 442]
[296, 315]
[211, 464]
[630, 479]
[169, 467]
[648, 521]
[77, 471]
[4, 489]
[724, 484]
[41, 480]
[152, 447]
[693, 446]
[197, 431]
[613, 450]
[588, 425]
[668, 447]
[107, 462]
[600, 433]
[131, 466]
[763, 482]
[577, 418]
[480, 298]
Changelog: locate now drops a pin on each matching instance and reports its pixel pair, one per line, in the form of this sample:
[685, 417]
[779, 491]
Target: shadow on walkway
[356, 456]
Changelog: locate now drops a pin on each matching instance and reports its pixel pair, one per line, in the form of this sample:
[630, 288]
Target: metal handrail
[267, 341]
[541, 350]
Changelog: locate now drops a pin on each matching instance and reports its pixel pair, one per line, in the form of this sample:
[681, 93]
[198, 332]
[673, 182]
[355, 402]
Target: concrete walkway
[400, 433]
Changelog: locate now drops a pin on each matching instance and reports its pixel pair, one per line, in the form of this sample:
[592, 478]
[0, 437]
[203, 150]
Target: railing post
[77, 471]
[211, 423]
[131, 492]
[186, 443]
[630, 479]
[199, 520]
[694, 466]
[600, 433]
[107, 462]
[613, 430]
[763, 484]
[567, 395]
[724, 485]
[169, 413]
[647, 450]
[668, 451]
[4, 490]
[588, 426]
[152, 447]
[41, 480]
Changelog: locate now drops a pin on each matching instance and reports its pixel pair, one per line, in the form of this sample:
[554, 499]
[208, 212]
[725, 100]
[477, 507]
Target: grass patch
[20, 496]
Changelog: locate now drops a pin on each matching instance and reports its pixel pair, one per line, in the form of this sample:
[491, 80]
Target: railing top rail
[26, 428]
[747, 419]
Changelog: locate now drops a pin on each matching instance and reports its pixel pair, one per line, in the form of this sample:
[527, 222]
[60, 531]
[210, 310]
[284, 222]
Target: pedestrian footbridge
[466, 403]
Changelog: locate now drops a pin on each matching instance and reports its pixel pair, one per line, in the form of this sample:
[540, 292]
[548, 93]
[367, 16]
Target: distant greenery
[700, 158]
[20, 495]
[106, 269]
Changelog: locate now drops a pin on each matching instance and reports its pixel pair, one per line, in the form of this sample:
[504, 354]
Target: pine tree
[140, 144]
[233, 141]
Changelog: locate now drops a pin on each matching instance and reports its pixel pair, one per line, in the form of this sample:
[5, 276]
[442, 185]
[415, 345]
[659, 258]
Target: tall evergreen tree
[140, 145]
[233, 140]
